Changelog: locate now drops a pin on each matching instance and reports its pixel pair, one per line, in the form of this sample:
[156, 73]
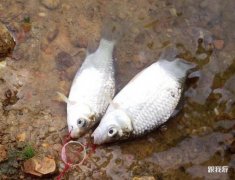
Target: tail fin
[178, 68]
[112, 31]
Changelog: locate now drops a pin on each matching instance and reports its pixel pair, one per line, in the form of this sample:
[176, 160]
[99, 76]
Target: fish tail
[111, 33]
[113, 30]
[178, 68]
[107, 44]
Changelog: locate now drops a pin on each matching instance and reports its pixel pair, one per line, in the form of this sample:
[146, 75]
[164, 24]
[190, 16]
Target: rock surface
[7, 42]
[39, 167]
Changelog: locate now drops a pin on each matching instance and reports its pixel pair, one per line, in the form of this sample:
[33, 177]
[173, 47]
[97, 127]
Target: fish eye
[81, 122]
[112, 132]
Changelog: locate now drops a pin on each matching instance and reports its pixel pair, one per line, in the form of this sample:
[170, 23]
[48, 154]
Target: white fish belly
[92, 87]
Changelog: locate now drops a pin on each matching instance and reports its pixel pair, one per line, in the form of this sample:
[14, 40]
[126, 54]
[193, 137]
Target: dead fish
[93, 83]
[145, 103]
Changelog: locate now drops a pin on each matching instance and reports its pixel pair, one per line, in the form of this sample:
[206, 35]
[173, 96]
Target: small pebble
[51, 129]
[201, 56]
[42, 14]
[7, 42]
[51, 4]
[143, 178]
[219, 44]
[216, 111]
[63, 60]
[173, 11]
[52, 34]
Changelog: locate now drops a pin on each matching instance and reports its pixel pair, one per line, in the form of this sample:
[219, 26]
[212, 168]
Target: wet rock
[29, 167]
[227, 93]
[203, 88]
[7, 42]
[39, 167]
[3, 153]
[230, 84]
[63, 60]
[195, 150]
[47, 165]
[219, 44]
[51, 4]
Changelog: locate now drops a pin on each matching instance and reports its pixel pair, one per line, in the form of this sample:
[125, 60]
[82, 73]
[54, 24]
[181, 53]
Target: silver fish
[92, 86]
[145, 103]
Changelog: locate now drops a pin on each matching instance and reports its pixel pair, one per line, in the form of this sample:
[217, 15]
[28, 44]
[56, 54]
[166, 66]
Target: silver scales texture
[150, 98]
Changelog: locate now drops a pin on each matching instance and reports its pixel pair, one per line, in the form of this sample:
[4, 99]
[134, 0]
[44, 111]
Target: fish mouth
[96, 135]
[76, 133]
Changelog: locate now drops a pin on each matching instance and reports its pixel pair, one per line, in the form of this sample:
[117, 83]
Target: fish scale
[145, 103]
[154, 113]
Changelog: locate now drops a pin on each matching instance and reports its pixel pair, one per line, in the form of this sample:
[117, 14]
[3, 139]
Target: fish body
[92, 87]
[145, 103]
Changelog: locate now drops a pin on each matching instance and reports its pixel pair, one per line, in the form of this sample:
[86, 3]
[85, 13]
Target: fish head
[115, 125]
[80, 119]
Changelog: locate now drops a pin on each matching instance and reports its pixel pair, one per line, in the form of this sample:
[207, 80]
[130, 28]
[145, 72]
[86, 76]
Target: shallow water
[51, 45]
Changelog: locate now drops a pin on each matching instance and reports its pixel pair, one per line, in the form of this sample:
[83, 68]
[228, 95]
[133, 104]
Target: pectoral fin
[113, 104]
[63, 98]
